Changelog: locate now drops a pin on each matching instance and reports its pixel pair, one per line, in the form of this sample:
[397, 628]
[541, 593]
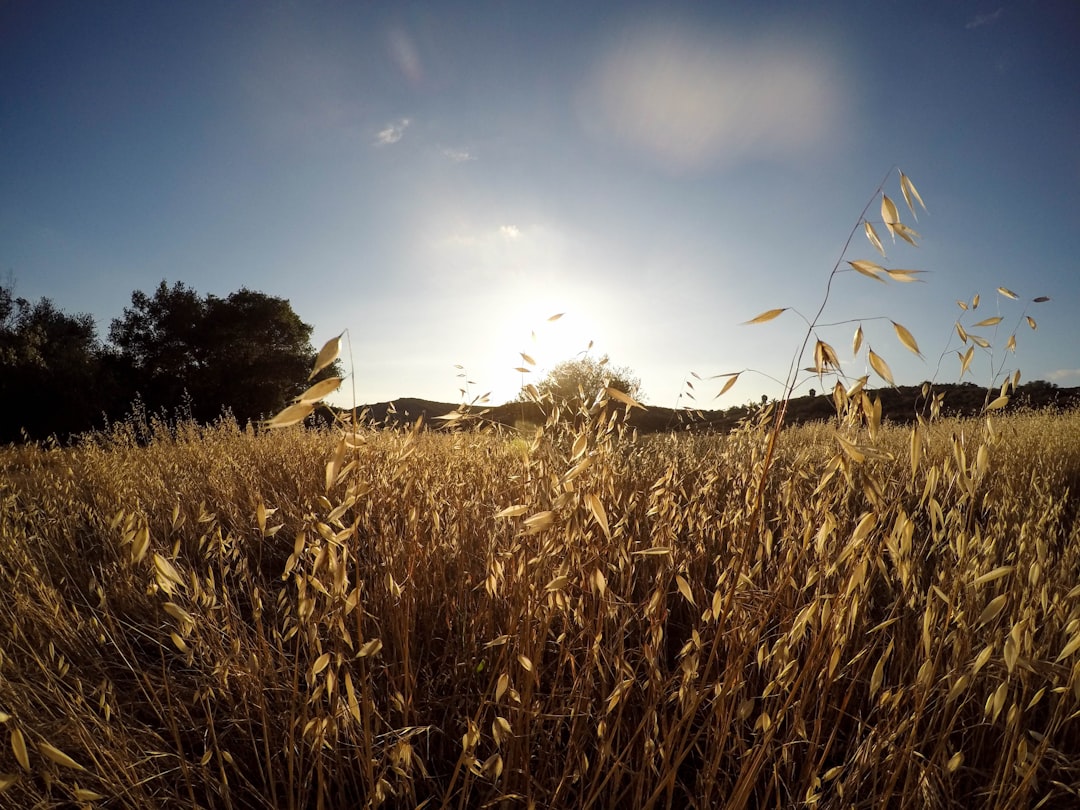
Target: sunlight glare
[526, 327]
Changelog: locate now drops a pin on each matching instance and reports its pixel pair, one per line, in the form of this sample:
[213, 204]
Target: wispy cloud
[984, 19]
[1065, 375]
[392, 133]
[458, 155]
[405, 55]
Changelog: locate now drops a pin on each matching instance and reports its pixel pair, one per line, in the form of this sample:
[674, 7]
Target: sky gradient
[440, 178]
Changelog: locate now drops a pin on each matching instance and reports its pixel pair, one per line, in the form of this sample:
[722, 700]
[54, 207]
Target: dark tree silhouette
[249, 352]
[258, 353]
[51, 372]
[159, 342]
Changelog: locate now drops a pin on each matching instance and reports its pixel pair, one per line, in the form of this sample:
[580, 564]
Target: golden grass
[832, 616]
[197, 621]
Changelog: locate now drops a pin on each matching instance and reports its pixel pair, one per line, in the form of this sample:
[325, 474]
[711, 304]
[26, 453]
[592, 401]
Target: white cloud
[405, 56]
[984, 19]
[392, 133]
[509, 231]
[689, 100]
[458, 155]
[1064, 375]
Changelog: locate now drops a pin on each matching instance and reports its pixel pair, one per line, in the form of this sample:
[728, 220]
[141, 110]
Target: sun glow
[531, 301]
[536, 335]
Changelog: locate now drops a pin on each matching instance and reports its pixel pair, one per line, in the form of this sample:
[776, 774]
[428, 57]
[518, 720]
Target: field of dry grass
[580, 619]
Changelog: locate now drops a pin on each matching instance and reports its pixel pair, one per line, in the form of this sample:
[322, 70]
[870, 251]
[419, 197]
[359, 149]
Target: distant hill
[897, 405]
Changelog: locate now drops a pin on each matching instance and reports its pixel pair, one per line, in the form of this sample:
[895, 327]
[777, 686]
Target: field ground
[586, 619]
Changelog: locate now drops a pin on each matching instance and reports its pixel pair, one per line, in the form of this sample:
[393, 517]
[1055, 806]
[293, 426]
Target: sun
[536, 335]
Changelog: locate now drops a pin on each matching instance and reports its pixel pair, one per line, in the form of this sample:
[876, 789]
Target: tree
[580, 379]
[51, 378]
[259, 353]
[249, 352]
[160, 347]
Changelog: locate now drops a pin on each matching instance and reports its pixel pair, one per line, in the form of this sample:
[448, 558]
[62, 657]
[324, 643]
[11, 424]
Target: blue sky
[440, 178]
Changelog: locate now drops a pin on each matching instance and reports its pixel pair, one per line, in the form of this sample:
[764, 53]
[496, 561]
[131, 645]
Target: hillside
[898, 405]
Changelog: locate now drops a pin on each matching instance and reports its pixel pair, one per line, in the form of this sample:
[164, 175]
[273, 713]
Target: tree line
[172, 352]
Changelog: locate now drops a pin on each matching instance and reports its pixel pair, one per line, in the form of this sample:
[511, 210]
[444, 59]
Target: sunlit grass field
[584, 618]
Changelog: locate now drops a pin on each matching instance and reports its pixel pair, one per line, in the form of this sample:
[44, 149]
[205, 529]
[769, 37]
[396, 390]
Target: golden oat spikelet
[881, 367]
[292, 415]
[732, 379]
[598, 513]
[906, 338]
[872, 236]
[907, 188]
[319, 391]
[54, 754]
[327, 355]
[624, 398]
[905, 276]
[767, 315]
[868, 268]
[18, 747]
[909, 235]
[825, 357]
[889, 215]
